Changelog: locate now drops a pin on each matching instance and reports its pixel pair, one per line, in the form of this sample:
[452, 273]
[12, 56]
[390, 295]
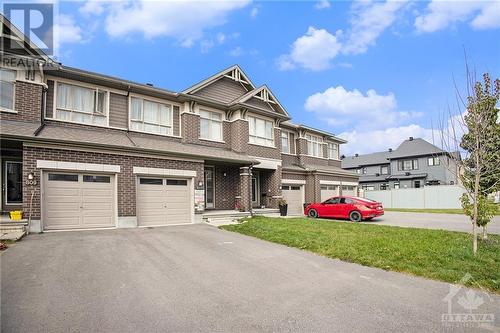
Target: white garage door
[328, 191]
[163, 201]
[75, 200]
[349, 190]
[294, 196]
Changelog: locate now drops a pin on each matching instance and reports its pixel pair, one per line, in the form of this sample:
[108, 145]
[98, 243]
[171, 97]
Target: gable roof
[415, 147]
[234, 73]
[262, 98]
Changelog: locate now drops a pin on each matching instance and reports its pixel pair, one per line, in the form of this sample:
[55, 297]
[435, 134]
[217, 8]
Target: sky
[371, 72]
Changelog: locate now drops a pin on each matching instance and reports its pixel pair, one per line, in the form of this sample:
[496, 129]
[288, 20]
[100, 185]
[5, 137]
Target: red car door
[330, 207]
[344, 207]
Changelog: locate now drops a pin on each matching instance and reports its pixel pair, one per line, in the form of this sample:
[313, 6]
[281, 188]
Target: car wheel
[312, 213]
[355, 216]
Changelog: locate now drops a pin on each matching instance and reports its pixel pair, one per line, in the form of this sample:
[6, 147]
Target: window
[295, 188]
[151, 181]
[13, 182]
[363, 170]
[346, 201]
[63, 177]
[384, 170]
[358, 171]
[285, 142]
[384, 186]
[210, 125]
[368, 187]
[332, 201]
[285, 187]
[96, 179]
[433, 161]
[7, 79]
[81, 105]
[347, 187]
[261, 131]
[333, 151]
[177, 182]
[416, 184]
[408, 165]
[150, 117]
[396, 185]
[314, 146]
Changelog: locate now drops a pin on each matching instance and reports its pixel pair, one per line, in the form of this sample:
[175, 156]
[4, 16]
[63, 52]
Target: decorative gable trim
[234, 73]
[264, 94]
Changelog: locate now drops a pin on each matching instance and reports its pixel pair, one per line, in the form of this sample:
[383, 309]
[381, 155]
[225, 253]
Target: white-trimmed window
[314, 145]
[384, 170]
[81, 104]
[7, 85]
[210, 125]
[432, 161]
[261, 131]
[285, 142]
[333, 151]
[151, 117]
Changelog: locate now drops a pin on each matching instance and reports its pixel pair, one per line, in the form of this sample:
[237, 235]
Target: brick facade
[225, 190]
[126, 180]
[27, 103]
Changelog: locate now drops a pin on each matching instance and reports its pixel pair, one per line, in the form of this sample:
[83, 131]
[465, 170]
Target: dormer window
[7, 81]
[314, 145]
[151, 117]
[81, 104]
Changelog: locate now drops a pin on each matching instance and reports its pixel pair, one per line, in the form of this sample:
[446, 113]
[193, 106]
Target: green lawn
[435, 254]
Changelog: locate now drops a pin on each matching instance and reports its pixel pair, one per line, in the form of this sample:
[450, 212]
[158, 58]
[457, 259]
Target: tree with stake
[481, 142]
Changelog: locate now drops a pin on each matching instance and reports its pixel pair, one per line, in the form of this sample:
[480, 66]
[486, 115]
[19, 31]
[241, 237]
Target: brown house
[86, 150]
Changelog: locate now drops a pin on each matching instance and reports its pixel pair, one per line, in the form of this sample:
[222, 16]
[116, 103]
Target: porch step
[269, 212]
[12, 230]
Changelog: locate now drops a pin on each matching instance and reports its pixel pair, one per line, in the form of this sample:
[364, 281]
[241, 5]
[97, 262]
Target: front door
[255, 189]
[12, 184]
[209, 187]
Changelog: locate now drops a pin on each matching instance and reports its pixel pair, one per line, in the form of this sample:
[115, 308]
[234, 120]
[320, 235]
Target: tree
[481, 142]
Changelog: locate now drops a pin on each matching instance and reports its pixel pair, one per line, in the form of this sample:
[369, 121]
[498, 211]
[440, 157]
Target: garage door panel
[294, 196]
[73, 203]
[166, 202]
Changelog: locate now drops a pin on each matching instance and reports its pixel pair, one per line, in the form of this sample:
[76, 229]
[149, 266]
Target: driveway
[197, 278]
[453, 222]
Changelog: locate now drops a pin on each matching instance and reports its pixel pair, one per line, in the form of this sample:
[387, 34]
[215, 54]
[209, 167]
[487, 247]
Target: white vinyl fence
[439, 197]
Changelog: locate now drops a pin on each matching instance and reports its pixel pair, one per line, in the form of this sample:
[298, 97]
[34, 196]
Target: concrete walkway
[453, 222]
[198, 278]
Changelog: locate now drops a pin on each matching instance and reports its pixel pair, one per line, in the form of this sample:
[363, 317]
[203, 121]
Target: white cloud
[67, 31]
[92, 7]
[368, 22]
[363, 142]
[254, 12]
[340, 107]
[442, 14]
[236, 52]
[322, 4]
[313, 51]
[183, 20]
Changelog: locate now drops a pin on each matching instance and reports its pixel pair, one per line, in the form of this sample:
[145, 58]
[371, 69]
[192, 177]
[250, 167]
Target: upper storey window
[261, 131]
[82, 105]
[333, 151]
[210, 125]
[285, 142]
[314, 145]
[151, 117]
[7, 79]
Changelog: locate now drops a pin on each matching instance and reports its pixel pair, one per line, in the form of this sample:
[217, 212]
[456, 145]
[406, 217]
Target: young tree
[481, 141]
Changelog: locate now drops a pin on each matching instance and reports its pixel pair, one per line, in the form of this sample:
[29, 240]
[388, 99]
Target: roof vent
[149, 84]
[356, 155]
[407, 173]
[411, 138]
[390, 150]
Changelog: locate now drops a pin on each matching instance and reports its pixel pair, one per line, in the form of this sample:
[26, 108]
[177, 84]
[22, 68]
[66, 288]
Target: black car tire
[355, 216]
[312, 213]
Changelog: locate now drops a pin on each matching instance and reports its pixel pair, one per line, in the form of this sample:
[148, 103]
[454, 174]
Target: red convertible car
[353, 208]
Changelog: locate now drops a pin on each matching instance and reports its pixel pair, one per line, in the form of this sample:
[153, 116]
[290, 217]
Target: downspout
[128, 114]
[250, 171]
[44, 100]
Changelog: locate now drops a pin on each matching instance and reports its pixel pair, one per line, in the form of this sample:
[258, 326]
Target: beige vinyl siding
[49, 111]
[118, 110]
[223, 90]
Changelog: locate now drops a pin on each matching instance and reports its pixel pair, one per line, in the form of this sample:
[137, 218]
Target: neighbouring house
[414, 164]
[85, 150]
